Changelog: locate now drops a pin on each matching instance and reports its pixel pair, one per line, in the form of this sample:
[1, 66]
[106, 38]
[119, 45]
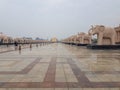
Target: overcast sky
[56, 18]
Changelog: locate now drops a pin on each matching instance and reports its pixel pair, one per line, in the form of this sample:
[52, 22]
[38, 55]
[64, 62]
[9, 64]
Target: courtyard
[60, 67]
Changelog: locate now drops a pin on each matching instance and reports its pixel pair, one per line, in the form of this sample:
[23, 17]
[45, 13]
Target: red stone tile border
[6, 51]
[23, 71]
[49, 80]
[84, 82]
[101, 72]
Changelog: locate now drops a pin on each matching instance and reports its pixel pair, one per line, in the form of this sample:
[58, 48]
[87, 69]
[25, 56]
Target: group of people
[18, 46]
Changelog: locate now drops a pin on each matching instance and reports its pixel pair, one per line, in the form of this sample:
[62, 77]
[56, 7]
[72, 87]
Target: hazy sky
[56, 18]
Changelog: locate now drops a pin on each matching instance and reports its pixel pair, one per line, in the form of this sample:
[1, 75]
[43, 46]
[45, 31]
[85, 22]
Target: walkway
[60, 67]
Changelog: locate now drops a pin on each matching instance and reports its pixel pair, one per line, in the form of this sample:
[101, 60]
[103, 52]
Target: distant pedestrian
[36, 45]
[30, 47]
[19, 47]
[16, 45]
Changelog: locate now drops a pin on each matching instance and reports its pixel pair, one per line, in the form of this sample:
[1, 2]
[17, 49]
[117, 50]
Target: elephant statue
[65, 40]
[103, 33]
[4, 38]
[10, 40]
[1, 38]
[83, 38]
[19, 40]
[72, 39]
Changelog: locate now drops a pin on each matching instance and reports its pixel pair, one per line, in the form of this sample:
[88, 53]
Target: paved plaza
[60, 67]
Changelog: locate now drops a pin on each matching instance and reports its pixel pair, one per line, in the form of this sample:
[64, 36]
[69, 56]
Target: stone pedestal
[103, 47]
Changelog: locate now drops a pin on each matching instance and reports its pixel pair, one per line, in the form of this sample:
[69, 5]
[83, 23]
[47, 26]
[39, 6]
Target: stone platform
[76, 44]
[103, 47]
[60, 67]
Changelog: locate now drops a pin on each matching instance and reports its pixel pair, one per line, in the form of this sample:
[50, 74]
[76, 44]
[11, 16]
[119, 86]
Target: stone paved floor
[60, 67]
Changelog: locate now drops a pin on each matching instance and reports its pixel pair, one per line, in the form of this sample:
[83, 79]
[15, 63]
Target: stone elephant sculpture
[72, 39]
[19, 40]
[10, 40]
[65, 40]
[104, 33]
[83, 38]
[3, 38]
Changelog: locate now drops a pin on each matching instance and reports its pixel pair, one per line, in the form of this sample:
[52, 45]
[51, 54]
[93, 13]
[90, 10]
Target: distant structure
[37, 38]
[30, 38]
[54, 39]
